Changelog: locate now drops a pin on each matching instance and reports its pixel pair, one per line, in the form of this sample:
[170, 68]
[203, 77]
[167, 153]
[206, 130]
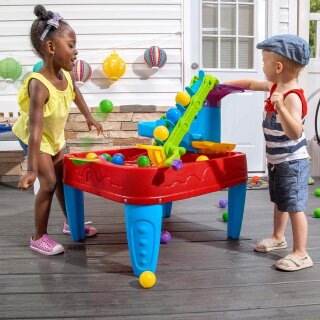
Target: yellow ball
[183, 98]
[202, 158]
[147, 279]
[91, 155]
[161, 133]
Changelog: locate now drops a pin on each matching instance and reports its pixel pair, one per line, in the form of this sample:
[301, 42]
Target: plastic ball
[143, 161]
[117, 160]
[147, 279]
[37, 66]
[223, 203]
[317, 192]
[105, 106]
[91, 155]
[225, 216]
[316, 212]
[106, 156]
[202, 158]
[161, 133]
[183, 98]
[173, 115]
[118, 154]
[176, 164]
[255, 179]
[165, 237]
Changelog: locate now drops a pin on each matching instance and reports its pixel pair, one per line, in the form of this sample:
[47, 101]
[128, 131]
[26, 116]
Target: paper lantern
[37, 66]
[155, 58]
[114, 67]
[82, 72]
[10, 69]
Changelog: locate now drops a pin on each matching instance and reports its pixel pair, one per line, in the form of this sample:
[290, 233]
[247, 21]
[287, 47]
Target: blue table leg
[167, 210]
[75, 212]
[236, 201]
[143, 225]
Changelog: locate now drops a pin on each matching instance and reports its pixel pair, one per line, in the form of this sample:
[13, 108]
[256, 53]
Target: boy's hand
[93, 123]
[277, 100]
[27, 181]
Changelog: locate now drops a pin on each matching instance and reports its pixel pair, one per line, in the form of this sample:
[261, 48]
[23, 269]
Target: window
[227, 34]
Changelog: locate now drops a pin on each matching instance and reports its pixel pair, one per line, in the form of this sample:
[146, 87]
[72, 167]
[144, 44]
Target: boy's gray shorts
[288, 185]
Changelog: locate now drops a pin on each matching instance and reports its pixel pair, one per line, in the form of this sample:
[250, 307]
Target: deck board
[201, 274]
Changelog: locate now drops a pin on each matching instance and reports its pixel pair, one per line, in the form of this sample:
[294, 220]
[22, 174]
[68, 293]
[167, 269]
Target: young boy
[284, 56]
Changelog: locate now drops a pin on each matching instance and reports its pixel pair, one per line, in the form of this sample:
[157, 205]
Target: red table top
[131, 184]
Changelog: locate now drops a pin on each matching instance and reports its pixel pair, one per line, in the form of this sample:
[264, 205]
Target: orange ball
[255, 179]
[161, 133]
[91, 155]
[202, 158]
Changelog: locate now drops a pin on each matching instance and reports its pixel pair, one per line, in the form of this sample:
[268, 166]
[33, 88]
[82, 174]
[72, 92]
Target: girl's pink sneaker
[89, 231]
[46, 245]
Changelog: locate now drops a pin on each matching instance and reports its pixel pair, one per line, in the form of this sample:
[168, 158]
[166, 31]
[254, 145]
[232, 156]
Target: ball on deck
[91, 155]
[161, 133]
[202, 158]
[106, 156]
[165, 237]
[316, 212]
[147, 279]
[223, 203]
[317, 192]
[225, 216]
[173, 115]
[105, 106]
[143, 161]
[255, 179]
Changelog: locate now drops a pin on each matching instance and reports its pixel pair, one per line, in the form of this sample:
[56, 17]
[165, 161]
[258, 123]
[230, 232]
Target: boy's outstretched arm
[251, 84]
[82, 106]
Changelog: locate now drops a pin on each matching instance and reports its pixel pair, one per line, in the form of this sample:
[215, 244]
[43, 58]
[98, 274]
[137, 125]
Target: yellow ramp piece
[208, 147]
[155, 153]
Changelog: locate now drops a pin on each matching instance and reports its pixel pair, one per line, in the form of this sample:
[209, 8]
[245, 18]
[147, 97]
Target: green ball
[316, 212]
[317, 192]
[143, 161]
[107, 156]
[225, 216]
[105, 106]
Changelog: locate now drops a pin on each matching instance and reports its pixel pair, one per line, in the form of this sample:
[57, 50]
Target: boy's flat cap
[290, 46]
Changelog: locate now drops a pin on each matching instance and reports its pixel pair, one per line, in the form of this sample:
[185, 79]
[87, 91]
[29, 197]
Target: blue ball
[117, 160]
[119, 155]
[223, 203]
[173, 115]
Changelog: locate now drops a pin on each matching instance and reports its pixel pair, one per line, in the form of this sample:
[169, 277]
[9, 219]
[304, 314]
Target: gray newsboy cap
[290, 46]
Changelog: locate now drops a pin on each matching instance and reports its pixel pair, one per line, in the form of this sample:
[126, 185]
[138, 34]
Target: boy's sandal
[268, 244]
[292, 262]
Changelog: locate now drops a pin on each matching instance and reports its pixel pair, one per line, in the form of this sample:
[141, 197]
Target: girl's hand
[277, 100]
[27, 180]
[93, 123]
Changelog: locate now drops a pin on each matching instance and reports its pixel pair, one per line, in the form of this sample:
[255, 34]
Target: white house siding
[100, 25]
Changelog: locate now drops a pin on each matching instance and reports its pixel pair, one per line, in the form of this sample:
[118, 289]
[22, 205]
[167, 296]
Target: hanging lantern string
[119, 47]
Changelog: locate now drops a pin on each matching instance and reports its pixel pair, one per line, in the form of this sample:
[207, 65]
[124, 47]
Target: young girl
[284, 56]
[45, 98]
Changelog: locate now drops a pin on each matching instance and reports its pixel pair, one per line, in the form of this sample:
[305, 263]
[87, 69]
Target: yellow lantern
[114, 67]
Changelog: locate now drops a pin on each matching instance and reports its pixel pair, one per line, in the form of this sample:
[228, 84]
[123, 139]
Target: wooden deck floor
[201, 274]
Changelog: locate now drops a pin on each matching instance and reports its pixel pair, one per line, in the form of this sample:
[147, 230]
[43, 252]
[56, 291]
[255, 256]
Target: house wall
[129, 26]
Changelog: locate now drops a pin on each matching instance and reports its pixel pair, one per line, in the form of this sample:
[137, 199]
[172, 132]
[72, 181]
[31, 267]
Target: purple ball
[223, 203]
[176, 164]
[165, 237]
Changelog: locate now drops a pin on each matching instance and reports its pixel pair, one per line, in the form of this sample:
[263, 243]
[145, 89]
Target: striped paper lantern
[82, 72]
[155, 57]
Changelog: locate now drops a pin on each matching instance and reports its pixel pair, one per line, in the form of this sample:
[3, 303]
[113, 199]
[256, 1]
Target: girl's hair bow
[53, 22]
